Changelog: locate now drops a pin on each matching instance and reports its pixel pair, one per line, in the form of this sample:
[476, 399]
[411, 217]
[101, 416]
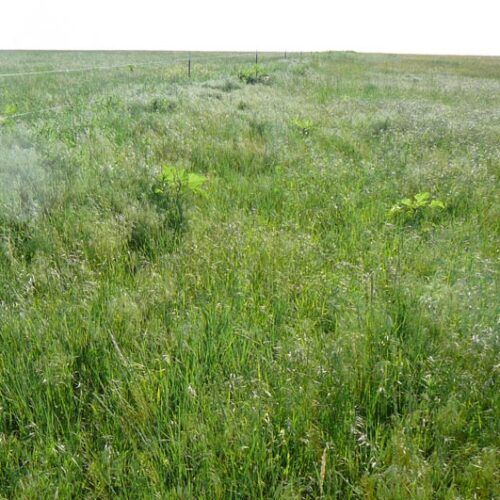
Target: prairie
[234, 287]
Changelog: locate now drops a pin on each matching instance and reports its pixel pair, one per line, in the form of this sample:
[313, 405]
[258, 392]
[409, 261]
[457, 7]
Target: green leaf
[422, 196]
[196, 181]
[422, 199]
[437, 204]
[408, 203]
[176, 175]
[10, 109]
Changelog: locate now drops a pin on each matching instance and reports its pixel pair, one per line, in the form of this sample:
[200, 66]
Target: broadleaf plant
[176, 176]
[413, 209]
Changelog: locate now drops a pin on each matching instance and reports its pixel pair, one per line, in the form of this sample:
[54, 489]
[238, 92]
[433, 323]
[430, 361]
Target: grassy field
[216, 289]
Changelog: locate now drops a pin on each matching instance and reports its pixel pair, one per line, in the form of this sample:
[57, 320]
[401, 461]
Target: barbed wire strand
[116, 66]
[62, 106]
[44, 65]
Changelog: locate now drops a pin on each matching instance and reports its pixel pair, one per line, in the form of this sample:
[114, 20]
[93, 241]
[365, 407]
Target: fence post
[189, 65]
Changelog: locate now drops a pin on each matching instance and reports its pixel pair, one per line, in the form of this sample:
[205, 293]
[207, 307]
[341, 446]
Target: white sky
[402, 26]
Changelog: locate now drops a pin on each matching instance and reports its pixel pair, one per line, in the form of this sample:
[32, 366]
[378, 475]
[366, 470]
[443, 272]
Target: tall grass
[276, 333]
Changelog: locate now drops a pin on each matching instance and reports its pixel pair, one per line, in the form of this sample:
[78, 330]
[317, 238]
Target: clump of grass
[158, 105]
[299, 69]
[380, 126]
[152, 230]
[258, 129]
[227, 85]
[242, 106]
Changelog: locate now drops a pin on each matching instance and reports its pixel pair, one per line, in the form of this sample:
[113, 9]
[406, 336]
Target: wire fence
[252, 57]
[77, 70]
[189, 59]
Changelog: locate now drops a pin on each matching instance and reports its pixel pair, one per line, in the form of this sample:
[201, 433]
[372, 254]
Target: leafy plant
[304, 126]
[178, 177]
[169, 191]
[412, 209]
[253, 75]
[10, 109]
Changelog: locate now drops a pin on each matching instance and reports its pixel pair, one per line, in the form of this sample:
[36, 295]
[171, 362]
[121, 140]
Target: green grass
[275, 332]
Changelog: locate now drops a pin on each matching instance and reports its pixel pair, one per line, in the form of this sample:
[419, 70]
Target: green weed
[304, 126]
[415, 208]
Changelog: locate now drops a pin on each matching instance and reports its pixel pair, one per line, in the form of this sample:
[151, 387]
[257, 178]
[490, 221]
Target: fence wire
[127, 65]
[173, 62]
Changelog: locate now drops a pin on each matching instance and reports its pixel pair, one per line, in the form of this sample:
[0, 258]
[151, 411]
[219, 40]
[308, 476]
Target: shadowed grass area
[270, 330]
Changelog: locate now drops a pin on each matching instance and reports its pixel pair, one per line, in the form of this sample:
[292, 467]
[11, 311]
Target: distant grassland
[313, 314]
